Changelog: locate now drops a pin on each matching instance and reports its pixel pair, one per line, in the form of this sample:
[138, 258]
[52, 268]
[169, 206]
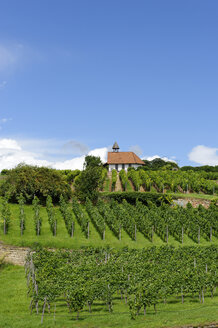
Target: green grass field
[63, 240]
[15, 313]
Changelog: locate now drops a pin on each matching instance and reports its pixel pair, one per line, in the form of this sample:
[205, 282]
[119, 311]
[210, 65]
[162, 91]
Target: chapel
[119, 160]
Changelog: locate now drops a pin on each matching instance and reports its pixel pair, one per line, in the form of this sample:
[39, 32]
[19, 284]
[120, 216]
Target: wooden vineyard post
[38, 229]
[88, 230]
[167, 234]
[152, 234]
[202, 295]
[72, 229]
[194, 262]
[211, 231]
[54, 311]
[199, 234]
[182, 234]
[135, 231]
[4, 227]
[55, 227]
[120, 233]
[21, 227]
[104, 233]
[43, 310]
[182, 295]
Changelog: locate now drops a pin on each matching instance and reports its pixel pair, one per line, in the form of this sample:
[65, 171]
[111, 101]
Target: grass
[14, 310]
[197, 196]
[107, 185]
[63, 240]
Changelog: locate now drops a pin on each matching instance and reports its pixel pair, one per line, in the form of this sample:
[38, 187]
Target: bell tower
[115, 147]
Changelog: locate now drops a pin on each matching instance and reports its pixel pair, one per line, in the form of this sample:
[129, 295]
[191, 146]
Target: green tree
[88, 182]
[33, 181]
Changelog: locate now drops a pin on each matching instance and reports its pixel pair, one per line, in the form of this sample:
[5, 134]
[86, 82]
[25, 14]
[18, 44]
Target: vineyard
[140, 279]
[134, 260]
[166, 181]
[108, 222]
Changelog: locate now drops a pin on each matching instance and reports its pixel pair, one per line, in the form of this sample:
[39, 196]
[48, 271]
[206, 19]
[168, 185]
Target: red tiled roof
[127, 157]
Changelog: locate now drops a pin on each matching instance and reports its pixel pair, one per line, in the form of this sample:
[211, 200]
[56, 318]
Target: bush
[33, 181]
[132, 196]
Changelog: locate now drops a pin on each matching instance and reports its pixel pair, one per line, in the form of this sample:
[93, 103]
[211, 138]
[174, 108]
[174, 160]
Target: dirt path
[118, 186]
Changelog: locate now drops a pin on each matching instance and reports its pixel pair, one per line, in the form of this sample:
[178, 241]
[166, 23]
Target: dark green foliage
[159, 163]
[70, 175]
[206, 168]
[88, 183]
[92, 161]
[33, 181]
[132, 196]
[5, 172]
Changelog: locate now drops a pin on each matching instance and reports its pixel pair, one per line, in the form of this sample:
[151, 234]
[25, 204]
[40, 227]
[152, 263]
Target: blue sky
[77, 75]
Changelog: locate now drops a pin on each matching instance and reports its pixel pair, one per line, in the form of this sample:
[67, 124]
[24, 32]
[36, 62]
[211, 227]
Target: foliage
[158, 163]
[135, 178]
[123, 179]
[67, 215]
[175, 181]
[144, 277]
[96, 218]
[114, 179]
[87, 184]
[81, 216]
[132, 196]
[205, 168]
[6, 215]
[37, 219]
[33, 181]
[51, 216]
[22, 215]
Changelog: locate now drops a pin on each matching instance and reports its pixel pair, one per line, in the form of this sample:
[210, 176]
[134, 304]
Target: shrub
[33, 181]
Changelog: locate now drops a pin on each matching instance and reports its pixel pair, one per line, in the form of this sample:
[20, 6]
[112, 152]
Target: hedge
[132, 196]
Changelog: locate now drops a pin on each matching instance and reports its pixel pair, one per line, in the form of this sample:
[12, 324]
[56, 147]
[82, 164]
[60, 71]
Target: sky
[76, 76]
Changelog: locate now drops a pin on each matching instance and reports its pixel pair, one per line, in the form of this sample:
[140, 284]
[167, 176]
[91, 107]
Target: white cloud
[12, 152]
[9, 144]
[77, 162]
[150, 158]
[204, 155]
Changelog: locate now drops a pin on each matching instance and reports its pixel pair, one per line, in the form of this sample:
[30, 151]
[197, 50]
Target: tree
[33, 181]
[88, 182]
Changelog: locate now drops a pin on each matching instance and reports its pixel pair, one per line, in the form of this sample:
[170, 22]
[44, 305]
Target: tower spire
[115, 147]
